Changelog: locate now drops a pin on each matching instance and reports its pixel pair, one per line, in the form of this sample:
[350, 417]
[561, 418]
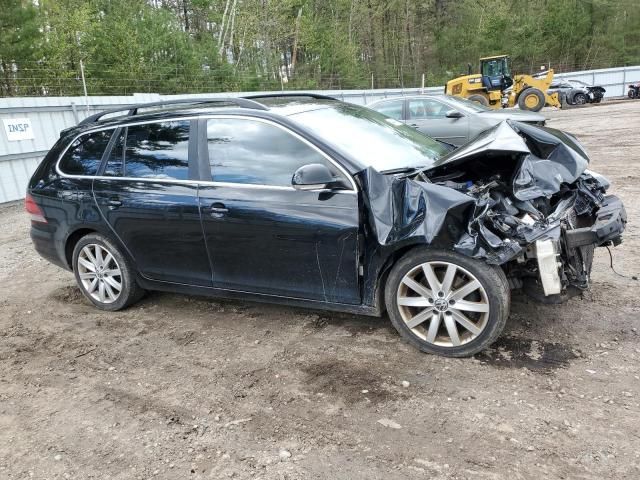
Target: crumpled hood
[494, 216]
[546, 157]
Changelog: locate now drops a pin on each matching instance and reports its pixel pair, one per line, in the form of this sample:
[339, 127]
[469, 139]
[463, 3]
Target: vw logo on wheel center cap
[441, 305]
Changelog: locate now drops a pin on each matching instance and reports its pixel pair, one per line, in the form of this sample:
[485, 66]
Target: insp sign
[18, 129]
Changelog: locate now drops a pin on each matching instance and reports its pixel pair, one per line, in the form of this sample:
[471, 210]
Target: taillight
[34, 211]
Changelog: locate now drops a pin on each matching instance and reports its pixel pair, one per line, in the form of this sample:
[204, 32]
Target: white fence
[47, 116]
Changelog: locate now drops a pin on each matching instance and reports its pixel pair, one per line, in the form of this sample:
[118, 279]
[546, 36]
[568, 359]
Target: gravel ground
[185, 387]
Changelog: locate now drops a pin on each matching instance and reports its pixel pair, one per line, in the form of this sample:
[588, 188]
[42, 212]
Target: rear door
[146, 194]
[265, 237]
[429, 116]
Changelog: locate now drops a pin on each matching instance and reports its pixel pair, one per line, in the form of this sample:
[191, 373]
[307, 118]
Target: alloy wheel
[580, 99]
[99, 273]
[443, 304]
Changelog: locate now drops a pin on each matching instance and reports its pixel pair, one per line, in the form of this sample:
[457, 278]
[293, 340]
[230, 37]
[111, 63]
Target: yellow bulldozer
[490, 87]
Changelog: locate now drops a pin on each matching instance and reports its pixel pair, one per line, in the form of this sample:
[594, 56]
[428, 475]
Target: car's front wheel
[580, 99]
[445, 303]
[105, 276]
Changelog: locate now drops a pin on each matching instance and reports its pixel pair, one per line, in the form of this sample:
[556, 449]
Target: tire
[473, 333]
[479, 99]
[100, 269]
[580, 99]
[531, 99]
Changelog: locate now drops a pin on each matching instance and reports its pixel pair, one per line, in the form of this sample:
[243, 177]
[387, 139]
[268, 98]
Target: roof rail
[289, 94]
[133, 109]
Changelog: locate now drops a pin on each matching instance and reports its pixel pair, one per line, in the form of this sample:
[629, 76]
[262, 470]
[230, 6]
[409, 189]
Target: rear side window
[154, 150]
[390, 109]
[84, 155]
[258, 153]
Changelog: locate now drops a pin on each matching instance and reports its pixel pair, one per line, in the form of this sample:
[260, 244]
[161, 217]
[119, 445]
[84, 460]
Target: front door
[264, 236]
[150, 204]
[429, 116]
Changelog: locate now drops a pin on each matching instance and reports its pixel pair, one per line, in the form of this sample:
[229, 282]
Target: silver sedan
[450, 119]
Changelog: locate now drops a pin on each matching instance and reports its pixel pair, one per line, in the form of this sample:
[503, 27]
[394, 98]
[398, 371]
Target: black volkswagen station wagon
[305, 200]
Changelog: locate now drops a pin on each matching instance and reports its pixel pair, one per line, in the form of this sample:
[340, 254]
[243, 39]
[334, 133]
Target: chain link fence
[48, 115]
[47, 79]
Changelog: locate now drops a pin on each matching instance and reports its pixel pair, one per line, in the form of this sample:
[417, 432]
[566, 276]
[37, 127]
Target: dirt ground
[184, 387]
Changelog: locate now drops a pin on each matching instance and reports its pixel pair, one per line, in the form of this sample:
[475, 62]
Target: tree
[19, 42]
[173, 46]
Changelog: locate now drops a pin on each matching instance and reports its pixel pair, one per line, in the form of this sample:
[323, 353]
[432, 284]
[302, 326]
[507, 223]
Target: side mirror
[454, 114]
[314, 176]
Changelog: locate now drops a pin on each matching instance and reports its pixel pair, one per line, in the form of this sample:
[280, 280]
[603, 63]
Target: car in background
[450, 119]
[577, 92]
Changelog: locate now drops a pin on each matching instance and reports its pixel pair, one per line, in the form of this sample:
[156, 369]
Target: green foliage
[19, 38]
[175, 46]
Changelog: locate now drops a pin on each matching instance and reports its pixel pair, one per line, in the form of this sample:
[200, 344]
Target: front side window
[154, 150]
[390, 109]
[84, 155]
[468, 105]
[258, 153]
[427, 108]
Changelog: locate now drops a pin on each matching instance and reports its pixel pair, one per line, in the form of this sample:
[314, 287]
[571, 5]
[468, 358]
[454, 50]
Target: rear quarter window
[84, 155]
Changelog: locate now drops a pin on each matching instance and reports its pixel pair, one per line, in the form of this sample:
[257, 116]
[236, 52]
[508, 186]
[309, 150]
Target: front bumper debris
[548, 266]
[608, 226]
[518, 196]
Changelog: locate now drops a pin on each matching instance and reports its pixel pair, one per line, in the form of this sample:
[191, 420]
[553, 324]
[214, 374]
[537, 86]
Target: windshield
[468, 105]
[495, 67]
[579, 83]
[370, 138]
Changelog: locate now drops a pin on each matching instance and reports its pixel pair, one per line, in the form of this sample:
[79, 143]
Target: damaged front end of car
[518, 196]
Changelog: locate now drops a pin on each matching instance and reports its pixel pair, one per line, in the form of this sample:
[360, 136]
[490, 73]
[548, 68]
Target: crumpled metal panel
[555, 158]
[404, 208]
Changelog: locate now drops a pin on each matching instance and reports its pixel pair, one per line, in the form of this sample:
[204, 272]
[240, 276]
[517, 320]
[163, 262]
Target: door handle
[217, 210]
[114, 203]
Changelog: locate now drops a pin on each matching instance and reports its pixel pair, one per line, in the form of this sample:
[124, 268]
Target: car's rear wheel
[445, 303]
[104, 274]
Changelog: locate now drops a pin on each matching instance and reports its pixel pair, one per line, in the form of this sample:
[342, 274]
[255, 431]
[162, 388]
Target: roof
[133, 109]
[284, 104]
[494, 56]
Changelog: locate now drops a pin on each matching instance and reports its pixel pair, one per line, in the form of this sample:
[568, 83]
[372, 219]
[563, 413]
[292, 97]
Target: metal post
[371, 80]
[422, 89]
[624, 79]
[75, 112]
[84, 85]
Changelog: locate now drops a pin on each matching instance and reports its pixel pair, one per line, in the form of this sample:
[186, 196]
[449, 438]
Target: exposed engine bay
[518, 196]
